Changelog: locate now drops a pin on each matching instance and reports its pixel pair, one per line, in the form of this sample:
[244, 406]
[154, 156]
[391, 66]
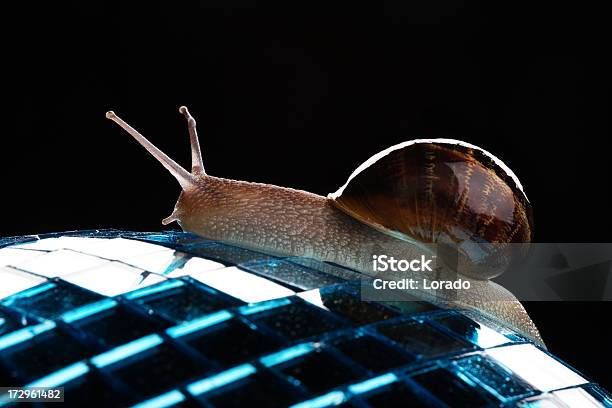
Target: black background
[299, 96]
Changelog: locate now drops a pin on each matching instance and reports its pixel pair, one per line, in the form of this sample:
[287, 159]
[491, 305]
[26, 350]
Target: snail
[437, 191]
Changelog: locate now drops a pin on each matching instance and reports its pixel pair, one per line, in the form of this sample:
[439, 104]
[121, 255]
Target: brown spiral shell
[443, 191]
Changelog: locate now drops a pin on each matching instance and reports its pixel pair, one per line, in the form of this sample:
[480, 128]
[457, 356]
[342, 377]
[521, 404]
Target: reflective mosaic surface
[170, 319]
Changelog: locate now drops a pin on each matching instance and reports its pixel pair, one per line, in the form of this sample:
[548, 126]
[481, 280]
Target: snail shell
[445, 192]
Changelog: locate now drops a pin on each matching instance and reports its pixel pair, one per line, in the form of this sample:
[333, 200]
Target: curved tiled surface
[170, 319]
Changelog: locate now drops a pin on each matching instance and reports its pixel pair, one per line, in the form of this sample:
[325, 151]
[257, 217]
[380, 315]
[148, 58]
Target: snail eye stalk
[197, 164]
[185, 179]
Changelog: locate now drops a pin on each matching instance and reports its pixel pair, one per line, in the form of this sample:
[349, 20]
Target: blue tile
[51, 299]
[399, 394]
[320, 371]
[351, 307]
[373, 383]
[117, 325]
[199, 324]
[299, 320]
[25, 334]
[88, 310]
[158, 369]
[182, 300]
[264, 306]
[287, 354]
[170, 398]
[42, 354]
[423, 339]
[62, 376]
[372, 353]
[491, 376]
[331, 399]
[13, 320]
[474, 332]
[124, 351]
[231, 342]
[221, 379]
[257, 390]
[452, 389]
[94, 386]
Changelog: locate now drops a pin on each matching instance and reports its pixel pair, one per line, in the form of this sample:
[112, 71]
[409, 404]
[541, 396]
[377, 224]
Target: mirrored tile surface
[172, 319]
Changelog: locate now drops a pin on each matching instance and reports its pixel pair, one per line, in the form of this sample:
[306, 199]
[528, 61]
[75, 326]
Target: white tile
[60, 263]
[195, 265]
[242, 285]
[150, 257]
[113, 278]
[577, 397]
[156, 261]
[535, 367]
[12, 281]
[118, 249]
[313, 297]
[486, 337]
[541, 401]
[12, 255]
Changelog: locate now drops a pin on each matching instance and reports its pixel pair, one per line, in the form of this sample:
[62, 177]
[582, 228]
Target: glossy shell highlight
[443, 191]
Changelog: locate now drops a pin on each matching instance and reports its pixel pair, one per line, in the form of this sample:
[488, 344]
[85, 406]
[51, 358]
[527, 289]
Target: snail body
[276, 220]
[398, 200]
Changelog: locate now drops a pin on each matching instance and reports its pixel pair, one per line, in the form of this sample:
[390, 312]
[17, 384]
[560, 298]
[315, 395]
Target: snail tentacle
[185, 179]
[197, 164]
